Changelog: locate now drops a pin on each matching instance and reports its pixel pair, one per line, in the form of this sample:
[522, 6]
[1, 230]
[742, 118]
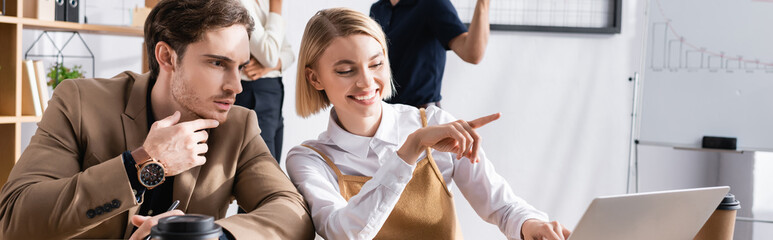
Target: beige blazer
[73, 164]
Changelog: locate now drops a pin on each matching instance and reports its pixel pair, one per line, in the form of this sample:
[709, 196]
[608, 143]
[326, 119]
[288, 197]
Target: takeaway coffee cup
[190, 226]
[721, 224]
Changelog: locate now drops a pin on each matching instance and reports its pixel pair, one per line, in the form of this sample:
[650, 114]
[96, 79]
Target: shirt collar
[388, 130]
[358, 145]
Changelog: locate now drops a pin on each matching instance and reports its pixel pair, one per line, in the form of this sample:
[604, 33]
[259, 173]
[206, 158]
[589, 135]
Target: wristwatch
[150, 171]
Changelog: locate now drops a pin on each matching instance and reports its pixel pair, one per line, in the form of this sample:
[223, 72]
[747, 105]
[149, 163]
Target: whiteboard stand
[633, 145]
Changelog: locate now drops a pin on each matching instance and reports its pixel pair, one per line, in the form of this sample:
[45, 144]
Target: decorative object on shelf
[2, 13]
[60, 10]
[30, 102]
[71, 14]
[42, 84]
[58, 73]
[112, 12]
[63, 10]
[58, 68]
[35, 94]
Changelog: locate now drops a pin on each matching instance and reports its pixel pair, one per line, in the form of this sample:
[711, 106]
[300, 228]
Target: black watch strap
[131, 172]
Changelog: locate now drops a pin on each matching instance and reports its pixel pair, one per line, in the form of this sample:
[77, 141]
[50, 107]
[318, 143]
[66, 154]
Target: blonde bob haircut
[320, 31]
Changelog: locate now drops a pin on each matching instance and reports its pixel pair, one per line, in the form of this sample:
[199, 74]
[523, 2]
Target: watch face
[152, 174]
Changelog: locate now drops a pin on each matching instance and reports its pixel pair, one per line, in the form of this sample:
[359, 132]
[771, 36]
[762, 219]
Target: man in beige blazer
[80, 175]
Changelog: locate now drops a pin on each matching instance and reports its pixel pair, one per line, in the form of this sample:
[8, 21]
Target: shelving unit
[11, 118]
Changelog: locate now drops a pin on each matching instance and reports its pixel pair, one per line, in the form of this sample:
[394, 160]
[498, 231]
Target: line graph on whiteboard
[709, 41]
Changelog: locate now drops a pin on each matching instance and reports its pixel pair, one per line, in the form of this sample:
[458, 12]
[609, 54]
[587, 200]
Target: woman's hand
[537, 229]
[254, 70]
[457, 137]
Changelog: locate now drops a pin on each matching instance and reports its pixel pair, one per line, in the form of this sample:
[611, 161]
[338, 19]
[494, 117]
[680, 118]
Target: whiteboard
[581, 16]
[708, 71]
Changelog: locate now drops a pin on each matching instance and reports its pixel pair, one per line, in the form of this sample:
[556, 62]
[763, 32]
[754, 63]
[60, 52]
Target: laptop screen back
[677, 214]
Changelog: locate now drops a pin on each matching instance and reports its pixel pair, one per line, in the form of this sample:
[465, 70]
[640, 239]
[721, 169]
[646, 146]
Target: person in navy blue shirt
[419, 32]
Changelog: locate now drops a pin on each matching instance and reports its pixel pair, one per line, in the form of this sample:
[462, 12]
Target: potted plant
[58, 73]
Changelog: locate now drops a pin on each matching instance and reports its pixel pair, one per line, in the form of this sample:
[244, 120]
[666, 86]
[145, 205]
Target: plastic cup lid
[190, 226]
[729, 203]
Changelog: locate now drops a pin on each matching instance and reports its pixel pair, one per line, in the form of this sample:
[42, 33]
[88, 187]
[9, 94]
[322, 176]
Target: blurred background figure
[271, 54]
[419, 33]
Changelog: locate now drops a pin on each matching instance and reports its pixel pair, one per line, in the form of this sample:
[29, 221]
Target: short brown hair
[182, 22]
[320, 32]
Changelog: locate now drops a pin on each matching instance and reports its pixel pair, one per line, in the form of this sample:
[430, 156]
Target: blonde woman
[384, 170]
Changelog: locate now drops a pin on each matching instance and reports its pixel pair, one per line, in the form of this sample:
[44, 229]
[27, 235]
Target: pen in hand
[172, 207]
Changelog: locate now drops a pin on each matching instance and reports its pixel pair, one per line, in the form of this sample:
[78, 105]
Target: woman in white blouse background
[270, 55]
[369, 175]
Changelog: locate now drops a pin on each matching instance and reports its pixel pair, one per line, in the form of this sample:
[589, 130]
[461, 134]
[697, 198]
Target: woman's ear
[165, 56]
[311, 76]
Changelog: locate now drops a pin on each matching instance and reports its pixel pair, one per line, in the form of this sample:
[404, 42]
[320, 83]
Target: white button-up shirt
[364, 214]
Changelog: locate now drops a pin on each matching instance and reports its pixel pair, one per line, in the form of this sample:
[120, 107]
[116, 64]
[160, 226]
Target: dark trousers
[265, 97]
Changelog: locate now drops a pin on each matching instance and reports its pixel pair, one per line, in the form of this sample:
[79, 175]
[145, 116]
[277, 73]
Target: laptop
[677, 214]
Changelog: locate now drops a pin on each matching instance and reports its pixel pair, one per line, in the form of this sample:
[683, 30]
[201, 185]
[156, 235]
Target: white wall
[664, 168]
[763, 197]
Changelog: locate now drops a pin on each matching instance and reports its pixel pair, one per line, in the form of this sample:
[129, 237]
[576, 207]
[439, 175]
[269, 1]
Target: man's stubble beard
[184, 95]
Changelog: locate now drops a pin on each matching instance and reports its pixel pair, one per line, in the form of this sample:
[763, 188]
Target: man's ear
[311, 76]
[165, 56]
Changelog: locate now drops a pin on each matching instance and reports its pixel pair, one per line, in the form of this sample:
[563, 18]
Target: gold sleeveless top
[425, 209]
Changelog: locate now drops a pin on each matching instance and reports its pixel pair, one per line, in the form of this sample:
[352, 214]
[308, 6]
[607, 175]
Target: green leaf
[63, 73]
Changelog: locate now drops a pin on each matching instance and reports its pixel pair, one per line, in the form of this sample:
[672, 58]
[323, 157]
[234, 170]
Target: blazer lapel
[135, 127]
[135, 117]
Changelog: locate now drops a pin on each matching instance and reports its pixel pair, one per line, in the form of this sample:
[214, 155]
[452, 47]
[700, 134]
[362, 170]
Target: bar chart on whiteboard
[713, 42]
[560, 13]
[708, 71]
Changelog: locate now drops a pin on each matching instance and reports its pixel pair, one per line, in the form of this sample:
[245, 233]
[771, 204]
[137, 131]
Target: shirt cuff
[131, 172]
[395, 173]
[226, 235]
[536, 215]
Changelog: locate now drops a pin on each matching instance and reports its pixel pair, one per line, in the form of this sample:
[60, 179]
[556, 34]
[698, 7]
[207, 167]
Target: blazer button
[90, 213]
[115, 203]
[99, 210]
[108, 207]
